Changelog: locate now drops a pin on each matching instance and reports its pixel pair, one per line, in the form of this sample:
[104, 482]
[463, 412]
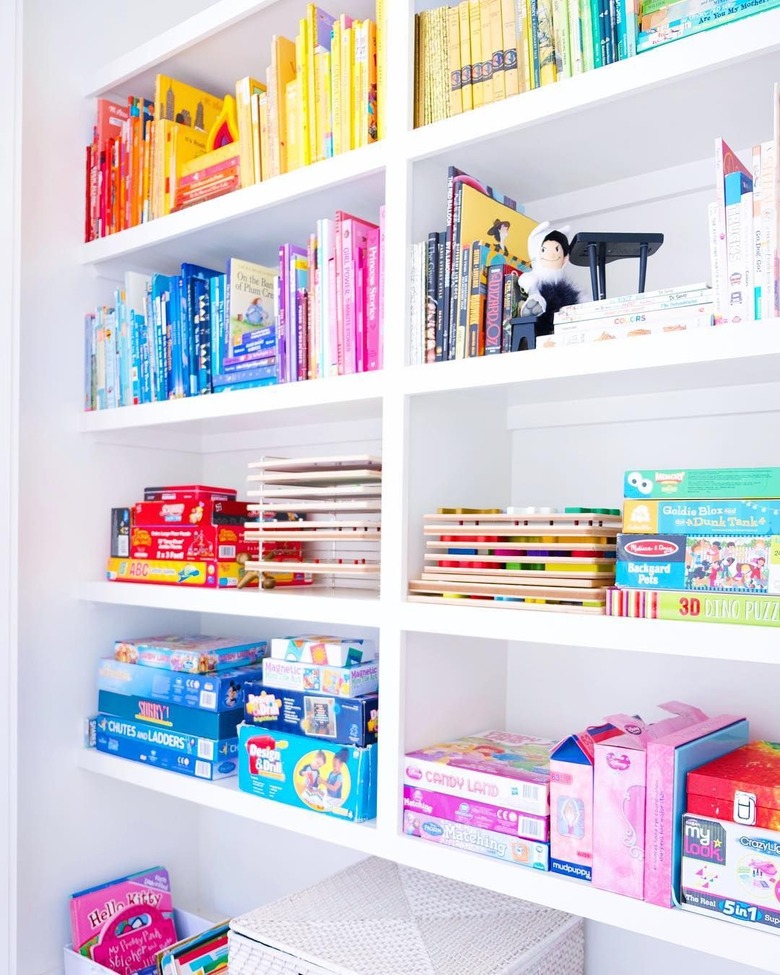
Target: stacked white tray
[340, 499]
[379, 918]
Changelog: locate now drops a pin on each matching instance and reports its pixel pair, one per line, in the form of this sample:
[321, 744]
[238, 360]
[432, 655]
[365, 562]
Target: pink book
[360, 307]
[123, 924]
[620, 782]
[342, 259]
[669, 759]
[332, 365]
[380, 357]
[355, 237]
[372, 342]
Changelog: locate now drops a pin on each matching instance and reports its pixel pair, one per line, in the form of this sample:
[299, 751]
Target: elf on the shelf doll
[545, 289]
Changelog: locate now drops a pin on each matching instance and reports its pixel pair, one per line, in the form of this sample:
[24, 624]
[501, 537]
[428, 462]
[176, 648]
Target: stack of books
[322, 94]
[661, 22]
[631, 316]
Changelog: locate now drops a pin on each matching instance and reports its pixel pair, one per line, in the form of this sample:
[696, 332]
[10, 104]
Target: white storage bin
[186, 926]
[379, 918]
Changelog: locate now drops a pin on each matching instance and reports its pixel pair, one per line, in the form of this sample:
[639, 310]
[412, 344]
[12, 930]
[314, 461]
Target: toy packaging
[720, 563]
[209, 749]
[571, 802]
[474, 840]
[120, 533]
[741, 608]
[731, 870]
[189, 654]
[174, 572]
[336, 780]
[704, 483]
[292, 675]
[620, 778]
[743, 786]
[342, 720]
[199, 543]
[472, 812]
[171, 717]
[718, 517]
[220, 691]
[123, 924]
[498, 767]
[189, 492]
[154, 514]
[165, 758]
[669, 759]
[331, 650]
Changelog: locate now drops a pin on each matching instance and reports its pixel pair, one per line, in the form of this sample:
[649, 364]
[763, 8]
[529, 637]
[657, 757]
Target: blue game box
[173, 717]
[208, 749]
[165, 758]
[341, 720]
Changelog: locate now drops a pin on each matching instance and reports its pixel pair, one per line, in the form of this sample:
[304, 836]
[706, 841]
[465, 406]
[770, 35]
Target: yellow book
[381, 67]
[453, 60]
[509, 30]
[176, 144]
[370, 107]
[477, 89]
[499, 227]
[441, 93]
[205, 160]
[426, 63]
[347, 103]
[548, 72]
[302, 74]
[322, 72]
[256, 152]
[419, 78]
[245, 89]
[525, 51]
[465, 55]
[265, 135]
[335, 90]
[292, 110]
[178, 102]
[358, 83]
[281, 71]
[497, 46]
[486, 38]
[318, 39]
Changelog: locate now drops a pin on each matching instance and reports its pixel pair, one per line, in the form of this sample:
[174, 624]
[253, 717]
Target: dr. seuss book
[124, 923]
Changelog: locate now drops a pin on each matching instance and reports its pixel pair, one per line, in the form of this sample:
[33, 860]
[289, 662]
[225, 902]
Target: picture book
[122, 924]
[249, 313]
[179, 102]
[246, 88]
[205, 953]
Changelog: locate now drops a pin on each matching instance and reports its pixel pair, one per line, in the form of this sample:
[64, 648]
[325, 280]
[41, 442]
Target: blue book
[193, 334]
[161, 346]
[217, 324]
[179, 361]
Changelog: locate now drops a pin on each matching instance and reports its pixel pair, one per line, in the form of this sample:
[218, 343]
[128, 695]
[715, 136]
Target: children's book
[201, 954]
[195, 324]
[123, 924]
[246, 88]
[179, 102]
[249, 314]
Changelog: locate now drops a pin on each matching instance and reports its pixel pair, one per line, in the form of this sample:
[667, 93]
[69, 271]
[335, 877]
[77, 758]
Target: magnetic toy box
[718, 517]
[619, 793]
[208, 749]
[668, 762]
[173, 717]
[499, 767]
[571, 802]
[475, 840]
[199, 543]
[173, 572]
[473, 812]
[189, 492]
[721, 563]
[166, 758]
[342, 720]
[291, 675]
[731, 870]
[194, 654]
[743, 786]
[334, 651]
[703, 483]
[220, 691]
[337, 780]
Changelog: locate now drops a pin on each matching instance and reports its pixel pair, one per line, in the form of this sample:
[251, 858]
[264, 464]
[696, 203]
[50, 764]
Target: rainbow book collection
[480, 51]
[321, 95]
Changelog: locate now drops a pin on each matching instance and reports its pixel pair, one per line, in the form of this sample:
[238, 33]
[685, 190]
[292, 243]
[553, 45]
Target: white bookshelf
[551, 427]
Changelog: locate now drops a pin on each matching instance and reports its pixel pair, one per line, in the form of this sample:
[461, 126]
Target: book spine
[452, 321]
[509, 40]
[533, 32]
[348, 106]
[757, 234]
[280, 315]
[627, 321]
[453, 60]
[381, 67]
[572, 12]
[746, 247]
[414, 305]
[331, 312]
[370, 104]
[311, 307]
[442, 340]
[292, 114]
[560, 22]
[464, 293]
[341, 259]
[475, 304]
[475, 31]
[734, 309]
[350, 244]
[337, 120]
[768, 227]
[371, 354]
[464, 31]
[717, 268]
[431, 292]
[382, 262]
[586, 26]
[302, 77]
[644, 302]
[488, 94]
[493, 310]
[596, 20]
[497, 49]
[507, 310]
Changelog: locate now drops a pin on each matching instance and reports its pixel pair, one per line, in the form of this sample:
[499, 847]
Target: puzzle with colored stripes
[522, 559]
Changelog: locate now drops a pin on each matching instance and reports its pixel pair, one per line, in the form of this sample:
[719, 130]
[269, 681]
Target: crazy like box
[333, 779]
[732, 871]
[743, 786]
[342, 720]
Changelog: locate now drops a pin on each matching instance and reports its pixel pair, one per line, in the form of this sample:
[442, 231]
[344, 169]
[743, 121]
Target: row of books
[318, 97]
[744, 230]
[481, 51]
[467, 273]
[318, 313]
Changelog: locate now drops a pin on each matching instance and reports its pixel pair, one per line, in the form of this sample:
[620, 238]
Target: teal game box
[704, 483]
[338, 780]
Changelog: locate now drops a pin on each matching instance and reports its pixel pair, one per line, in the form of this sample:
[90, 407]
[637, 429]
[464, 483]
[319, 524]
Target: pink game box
[473, 812]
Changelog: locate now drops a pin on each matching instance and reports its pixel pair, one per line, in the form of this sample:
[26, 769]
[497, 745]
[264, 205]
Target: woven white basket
[379, 918]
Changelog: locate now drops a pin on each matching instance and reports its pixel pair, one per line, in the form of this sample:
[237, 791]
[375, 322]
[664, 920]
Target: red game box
[189, 492]
[183, 543]
[741, 787]
[156, 514]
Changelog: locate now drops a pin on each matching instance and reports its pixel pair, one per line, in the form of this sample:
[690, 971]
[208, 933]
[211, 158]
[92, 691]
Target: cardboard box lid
[753, 769]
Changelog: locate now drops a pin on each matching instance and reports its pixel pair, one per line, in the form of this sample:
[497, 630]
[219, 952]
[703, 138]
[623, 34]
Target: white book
[757, 253]
[768, 228]
[716, 235]
[626, 321]
[746, 228]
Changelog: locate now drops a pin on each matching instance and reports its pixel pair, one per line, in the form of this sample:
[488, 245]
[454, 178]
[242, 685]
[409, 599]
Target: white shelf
[248, 223]
[225, 796]
[605, 125]
[353, 607]
[714, 641]
[710, 935]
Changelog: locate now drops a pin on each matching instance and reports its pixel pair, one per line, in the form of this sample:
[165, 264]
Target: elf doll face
[552, 257]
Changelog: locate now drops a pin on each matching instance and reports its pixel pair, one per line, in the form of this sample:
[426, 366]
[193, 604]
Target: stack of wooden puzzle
[522, 559]
[337, 501]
